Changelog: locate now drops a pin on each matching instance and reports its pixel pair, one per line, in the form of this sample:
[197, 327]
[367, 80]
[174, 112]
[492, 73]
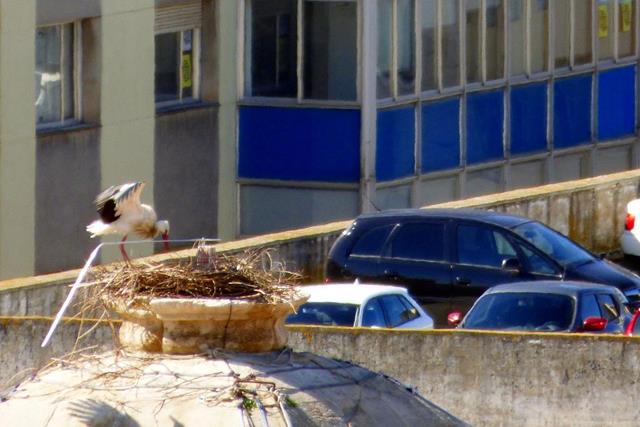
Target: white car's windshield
[325, 313]
[554, 244]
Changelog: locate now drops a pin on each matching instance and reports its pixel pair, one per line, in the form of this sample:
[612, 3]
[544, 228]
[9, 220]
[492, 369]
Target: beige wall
[17, 138]
[127, 109]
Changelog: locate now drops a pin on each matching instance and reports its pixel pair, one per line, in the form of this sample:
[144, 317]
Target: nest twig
[244, 277]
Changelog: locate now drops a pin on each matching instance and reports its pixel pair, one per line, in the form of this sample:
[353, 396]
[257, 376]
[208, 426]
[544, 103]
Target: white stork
[122, 213]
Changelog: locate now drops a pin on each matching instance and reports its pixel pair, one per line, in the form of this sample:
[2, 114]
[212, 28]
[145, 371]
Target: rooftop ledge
[334, 227]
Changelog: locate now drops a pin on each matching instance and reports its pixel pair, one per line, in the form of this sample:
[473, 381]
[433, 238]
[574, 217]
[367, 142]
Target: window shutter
[179, 17]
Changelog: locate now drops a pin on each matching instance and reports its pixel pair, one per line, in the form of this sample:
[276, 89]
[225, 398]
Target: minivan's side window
[371, 242]
[478, 245]
[537, 264]
[419, 241]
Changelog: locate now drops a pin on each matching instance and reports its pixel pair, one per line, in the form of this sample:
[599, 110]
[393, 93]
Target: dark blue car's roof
[496, 218]
[569, 288]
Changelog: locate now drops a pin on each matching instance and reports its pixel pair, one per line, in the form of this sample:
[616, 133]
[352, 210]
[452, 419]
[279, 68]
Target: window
[55, 70]
[517, 29]
[611, 32]
[474, 41]
[373, 315]
[538, 35]
[608, 307]
[271, 48]
[537, 264]
[177, 66]
[324, 313]
[440, 32]
[577, 15]
[479, 245]
[589, 307]
[324, 49]
[330, 50]
[397, 310]
[396, 51]
[419, 241]
[371, 242]
[494, 40]
[485, 35]
[528, 40]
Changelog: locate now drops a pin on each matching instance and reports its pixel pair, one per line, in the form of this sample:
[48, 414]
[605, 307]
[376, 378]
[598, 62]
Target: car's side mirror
[454, 318]
[512, 265]
[594, 324]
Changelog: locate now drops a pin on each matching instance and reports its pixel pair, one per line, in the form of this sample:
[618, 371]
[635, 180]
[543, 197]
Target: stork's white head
[162, 229]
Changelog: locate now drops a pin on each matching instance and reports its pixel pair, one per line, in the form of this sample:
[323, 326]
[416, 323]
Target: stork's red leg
[122, 251]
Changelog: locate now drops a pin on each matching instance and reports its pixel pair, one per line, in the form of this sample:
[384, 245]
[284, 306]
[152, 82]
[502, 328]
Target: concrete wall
[484, 378]
[500, 379]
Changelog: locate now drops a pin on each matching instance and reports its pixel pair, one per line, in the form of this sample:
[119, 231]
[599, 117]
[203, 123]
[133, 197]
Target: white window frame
[75, 79]
[195, 64]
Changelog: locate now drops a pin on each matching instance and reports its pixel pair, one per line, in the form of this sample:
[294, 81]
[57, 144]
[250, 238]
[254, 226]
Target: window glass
[562, 28]
[517, 29]
[54, 65]
[371, 242]
[372, 314]
[474, 41]
[406, 48]
[537, 264]
[385, 13]
[582, 35]
[450, 43]
[636, 328]
[428, 31]
[626, 28]
[608, 307]
[555, 245]
[504, 248]
[606, 29]
[539, 35]
[167, 72]
[186, 64]
[325, 313]
[397, 312]
[521, 311]
[419, 241]
[495, 39]
[477, 246]
[330, 54]
[271, 48]
[589, 307]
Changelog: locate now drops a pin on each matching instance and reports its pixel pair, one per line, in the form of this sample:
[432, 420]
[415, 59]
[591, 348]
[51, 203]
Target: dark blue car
[548, 307]
[447, 258]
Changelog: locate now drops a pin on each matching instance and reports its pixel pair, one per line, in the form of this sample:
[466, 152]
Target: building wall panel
[67, 181]
[484, 127]
[572, 111]
[440, 135]
[302, 144]
[395, 149]
[528, 119]
[616, 103]
[186, 172]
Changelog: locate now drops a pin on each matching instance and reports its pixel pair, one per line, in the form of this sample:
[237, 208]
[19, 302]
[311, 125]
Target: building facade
[250, 116]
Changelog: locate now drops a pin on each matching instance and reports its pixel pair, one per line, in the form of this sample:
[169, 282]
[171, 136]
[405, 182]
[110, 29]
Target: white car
[630, 239]
[361, 305]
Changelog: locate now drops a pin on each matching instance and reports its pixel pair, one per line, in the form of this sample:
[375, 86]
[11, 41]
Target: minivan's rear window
[371, 241]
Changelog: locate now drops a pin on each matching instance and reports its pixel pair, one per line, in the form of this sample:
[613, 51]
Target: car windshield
[521, 311]
[325, 313]
[560, 248]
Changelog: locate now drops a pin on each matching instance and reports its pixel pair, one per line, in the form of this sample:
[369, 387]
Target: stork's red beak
[165, 238]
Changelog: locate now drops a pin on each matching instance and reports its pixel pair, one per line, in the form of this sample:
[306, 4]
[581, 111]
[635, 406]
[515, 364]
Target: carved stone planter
[191, 325]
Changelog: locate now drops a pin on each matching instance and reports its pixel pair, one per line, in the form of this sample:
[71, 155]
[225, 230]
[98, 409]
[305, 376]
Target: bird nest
[251, 276]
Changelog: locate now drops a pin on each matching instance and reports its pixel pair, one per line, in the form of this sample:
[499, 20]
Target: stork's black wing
[107, 202]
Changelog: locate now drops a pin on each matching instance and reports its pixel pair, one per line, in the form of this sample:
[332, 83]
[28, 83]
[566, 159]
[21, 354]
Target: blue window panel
[484, 127]
[529, 119]
[572, 112]
[395, 152]
[616, 103]
[299, 144]
[440, 135]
